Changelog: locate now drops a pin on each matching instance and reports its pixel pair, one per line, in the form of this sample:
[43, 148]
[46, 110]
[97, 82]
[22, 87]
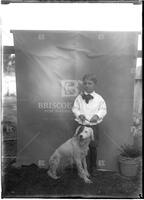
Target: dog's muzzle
[81, 137]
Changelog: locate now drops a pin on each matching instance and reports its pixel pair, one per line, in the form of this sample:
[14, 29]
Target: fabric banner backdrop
[49, 69]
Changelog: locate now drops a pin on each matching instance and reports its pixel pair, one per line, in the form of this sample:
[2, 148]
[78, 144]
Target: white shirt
[96, 106]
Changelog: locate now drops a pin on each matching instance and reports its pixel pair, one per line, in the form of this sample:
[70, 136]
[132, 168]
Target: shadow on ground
[31, 181]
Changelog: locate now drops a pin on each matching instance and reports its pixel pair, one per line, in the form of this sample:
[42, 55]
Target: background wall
[49, 67]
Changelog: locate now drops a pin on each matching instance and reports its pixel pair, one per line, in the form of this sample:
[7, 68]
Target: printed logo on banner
[70, 88]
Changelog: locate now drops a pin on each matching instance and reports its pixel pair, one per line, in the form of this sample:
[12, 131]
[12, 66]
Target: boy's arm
[102, 110]
[76, 107]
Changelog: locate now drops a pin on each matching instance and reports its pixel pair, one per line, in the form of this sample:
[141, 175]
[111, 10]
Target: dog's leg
[52, 174]
[81, 171]
[85, 167]
[53, 165]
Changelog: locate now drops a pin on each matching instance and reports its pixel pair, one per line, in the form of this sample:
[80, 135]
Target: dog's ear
[92, 135]
[79, 130]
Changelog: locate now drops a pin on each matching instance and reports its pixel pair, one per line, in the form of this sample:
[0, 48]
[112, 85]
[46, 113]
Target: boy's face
[89, 86]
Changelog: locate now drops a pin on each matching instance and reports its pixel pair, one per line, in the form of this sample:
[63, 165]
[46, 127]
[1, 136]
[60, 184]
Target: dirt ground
[31, 181]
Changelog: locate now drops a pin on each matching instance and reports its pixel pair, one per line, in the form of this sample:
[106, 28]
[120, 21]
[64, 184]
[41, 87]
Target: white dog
[73, 151]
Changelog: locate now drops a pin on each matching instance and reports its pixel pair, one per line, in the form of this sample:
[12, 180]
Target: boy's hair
[90, 77]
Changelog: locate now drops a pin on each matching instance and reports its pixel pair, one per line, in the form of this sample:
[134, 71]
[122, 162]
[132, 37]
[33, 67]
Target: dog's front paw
[87, 180]
[87, 174]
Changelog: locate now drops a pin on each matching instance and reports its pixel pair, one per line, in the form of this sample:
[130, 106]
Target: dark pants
[92, 153]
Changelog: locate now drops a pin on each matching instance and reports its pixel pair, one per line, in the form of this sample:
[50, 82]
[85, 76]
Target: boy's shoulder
[78, 96]
[97, 95]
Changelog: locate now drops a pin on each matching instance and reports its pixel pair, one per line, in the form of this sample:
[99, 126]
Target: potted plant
[129, 160]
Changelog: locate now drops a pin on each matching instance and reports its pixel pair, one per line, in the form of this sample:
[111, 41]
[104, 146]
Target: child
[89, 109]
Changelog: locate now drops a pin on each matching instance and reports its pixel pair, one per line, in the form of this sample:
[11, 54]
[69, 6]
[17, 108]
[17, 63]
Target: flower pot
[128, 166]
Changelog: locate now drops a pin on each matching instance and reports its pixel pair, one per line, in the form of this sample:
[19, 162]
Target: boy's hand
[82, 118]
[94, 119]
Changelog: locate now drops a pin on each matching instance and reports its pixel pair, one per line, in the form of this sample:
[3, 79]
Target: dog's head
[84, 132]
